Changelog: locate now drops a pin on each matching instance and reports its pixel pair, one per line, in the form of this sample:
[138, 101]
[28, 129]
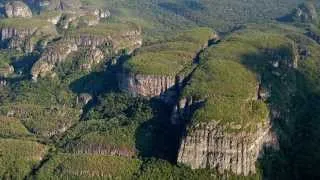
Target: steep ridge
[155, 69]
[24, 34]
[225, 102]
[93, 43]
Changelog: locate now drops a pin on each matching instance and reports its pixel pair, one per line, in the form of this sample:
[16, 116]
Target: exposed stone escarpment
[224, 104]
[209, 146]
[147, 85]
[18, 39]
[50, 57]
[17, 9]
[92, 57]
[25, 34]
[92, 48]
[130, 39]
[173, 61]
[10, 32]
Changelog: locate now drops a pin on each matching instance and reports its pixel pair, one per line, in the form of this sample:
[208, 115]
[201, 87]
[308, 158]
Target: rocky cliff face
[18, 39]
[210, 146]
[92, 57]
[130, 40]
[11, 32]
[50, 57]
[17, 9]
[146, 85]
[89, 44]
[25, 38]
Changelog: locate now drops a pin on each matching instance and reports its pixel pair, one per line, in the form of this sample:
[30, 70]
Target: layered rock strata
[210, 146]
[146, 85]
[158, 80]
[130, 39]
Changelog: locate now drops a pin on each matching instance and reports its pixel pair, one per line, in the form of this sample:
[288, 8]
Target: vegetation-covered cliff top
[25, 23]
[227, 79]
[169, 58]
[76, 123]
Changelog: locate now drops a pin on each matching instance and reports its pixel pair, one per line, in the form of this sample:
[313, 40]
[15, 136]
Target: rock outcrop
[92, 57]
[210, 146]
[146, 85]
[53, 55]
[159, 69]
[130, 40]
[11, 32]
[91, 47]
[17, 9]
[25, 34]
[18, 39]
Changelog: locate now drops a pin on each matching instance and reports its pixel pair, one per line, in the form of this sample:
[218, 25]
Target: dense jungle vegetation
[79, 124]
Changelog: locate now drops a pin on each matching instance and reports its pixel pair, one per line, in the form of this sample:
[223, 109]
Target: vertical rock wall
[210, 146]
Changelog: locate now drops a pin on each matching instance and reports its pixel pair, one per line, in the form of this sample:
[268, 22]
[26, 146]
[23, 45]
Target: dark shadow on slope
[295, 118]
[100, 82]
[158, 137]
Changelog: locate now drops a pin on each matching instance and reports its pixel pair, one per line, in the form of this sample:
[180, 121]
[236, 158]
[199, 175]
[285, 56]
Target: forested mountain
[159, 89]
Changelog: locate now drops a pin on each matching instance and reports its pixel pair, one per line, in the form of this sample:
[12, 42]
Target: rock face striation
[175, 59]
[147, 85]
[17, 9]
[92, 57]
[50, 57]
[18, 39]
[25, 34]
[130, 40]
[90, 47]
[209, 146]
